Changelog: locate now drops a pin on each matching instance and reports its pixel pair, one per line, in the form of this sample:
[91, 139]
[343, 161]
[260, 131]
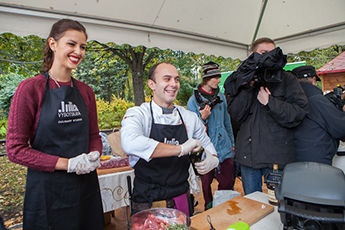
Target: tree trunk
[135, 60]
[129, 91]
[138, 85]
[122, 93]
[108, 94]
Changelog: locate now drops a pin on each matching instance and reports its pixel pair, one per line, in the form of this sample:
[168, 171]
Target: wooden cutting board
[238, 209]
[113, 170]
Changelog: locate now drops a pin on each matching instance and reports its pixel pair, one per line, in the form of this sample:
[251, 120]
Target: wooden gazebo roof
[337, 65]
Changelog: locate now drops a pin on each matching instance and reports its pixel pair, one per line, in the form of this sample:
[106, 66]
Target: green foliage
[185, 92]
[136, 58]
[3, 127]
[317, 57]
[20, 58]
[104, 73]
[190, 70]
[108, 68]
[110, 114]
[22, 55]
[8, 85]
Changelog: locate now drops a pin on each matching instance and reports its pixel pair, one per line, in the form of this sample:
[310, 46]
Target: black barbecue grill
[311, 196]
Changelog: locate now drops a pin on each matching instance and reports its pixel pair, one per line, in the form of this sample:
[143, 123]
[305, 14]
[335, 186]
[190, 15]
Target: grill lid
[312, 182]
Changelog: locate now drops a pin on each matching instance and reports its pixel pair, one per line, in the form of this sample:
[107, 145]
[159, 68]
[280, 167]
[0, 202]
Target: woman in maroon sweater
[53, 130]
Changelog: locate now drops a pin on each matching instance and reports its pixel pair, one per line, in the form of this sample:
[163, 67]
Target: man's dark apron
[166, 177]
[62, 200]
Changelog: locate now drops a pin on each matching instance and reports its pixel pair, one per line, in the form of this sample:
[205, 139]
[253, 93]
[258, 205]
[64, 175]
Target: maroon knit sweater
[23, 118]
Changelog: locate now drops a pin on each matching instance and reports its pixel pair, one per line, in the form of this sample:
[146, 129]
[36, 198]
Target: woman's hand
[82, 164]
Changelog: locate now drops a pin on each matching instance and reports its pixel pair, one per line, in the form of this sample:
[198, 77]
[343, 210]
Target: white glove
[93, 156]
[190, 145]
[208, 164]
[81, 164]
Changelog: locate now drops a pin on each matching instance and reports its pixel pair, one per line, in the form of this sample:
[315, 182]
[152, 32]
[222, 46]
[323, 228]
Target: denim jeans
[252, 178]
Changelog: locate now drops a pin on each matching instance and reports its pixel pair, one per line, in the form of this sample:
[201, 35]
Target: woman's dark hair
[58, 30]
[153, 69]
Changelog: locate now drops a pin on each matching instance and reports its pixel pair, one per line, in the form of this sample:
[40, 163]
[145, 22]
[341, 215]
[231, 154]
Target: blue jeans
[252, 178]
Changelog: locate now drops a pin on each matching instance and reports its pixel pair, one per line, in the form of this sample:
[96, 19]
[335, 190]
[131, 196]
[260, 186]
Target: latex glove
[190, 145]
[93, 156]
[208, 164]
[81, 164]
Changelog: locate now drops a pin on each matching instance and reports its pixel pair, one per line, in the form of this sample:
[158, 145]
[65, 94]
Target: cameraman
[317, 137]
[267, 110]
[210, 106]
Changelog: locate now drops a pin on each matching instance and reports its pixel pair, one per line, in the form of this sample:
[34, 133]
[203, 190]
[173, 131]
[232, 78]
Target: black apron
[62, 200]
[166, 177]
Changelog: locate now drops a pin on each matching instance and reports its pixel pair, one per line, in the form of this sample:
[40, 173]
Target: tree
[20, 58]
[21, 55]
[107, 67]
[9, 83]
[317, 57]
[104, 73]
[190, 68]
[137, 59]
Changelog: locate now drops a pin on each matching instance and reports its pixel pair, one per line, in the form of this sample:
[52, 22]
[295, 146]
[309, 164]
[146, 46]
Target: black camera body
[336, 97]
[216, 100]
[268, 75]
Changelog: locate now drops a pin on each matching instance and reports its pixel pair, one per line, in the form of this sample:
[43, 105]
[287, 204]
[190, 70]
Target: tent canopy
[220, 27]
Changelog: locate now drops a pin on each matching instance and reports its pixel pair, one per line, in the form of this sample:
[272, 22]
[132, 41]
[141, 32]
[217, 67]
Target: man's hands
[190, 145]
[205, 113]
[84, 163]
[208, 164]
[263, 95]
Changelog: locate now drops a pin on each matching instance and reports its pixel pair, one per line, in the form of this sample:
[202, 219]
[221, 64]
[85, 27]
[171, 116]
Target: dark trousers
[224, 177]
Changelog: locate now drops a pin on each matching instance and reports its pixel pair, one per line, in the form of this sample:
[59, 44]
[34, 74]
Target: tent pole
[260, 19]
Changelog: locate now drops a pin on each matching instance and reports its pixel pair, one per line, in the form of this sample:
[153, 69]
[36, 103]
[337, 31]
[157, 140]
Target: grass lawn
[12, 190]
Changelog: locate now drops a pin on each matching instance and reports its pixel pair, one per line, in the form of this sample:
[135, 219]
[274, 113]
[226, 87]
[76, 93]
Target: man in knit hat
[210, 106]
[317, 138]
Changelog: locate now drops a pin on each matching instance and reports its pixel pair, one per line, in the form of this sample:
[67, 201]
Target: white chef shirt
[136, 128]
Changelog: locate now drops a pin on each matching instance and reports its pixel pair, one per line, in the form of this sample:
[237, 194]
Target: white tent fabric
[220, 27]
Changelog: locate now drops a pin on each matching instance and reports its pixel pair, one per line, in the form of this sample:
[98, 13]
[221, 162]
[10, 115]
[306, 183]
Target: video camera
[270, 68]
[336, 97]
[268, 75]
[216, 100]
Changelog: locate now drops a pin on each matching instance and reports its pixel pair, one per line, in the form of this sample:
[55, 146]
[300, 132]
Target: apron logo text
[68, 110]
[171, 142]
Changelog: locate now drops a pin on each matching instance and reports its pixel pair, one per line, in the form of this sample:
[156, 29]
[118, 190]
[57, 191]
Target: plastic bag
[106, 147]
[223, 195]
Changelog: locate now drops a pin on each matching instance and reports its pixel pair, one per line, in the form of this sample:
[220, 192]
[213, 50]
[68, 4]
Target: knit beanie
[210, 69]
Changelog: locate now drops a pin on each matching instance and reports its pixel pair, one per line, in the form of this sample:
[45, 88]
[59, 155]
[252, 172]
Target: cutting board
[230, 212]
[113, 170]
